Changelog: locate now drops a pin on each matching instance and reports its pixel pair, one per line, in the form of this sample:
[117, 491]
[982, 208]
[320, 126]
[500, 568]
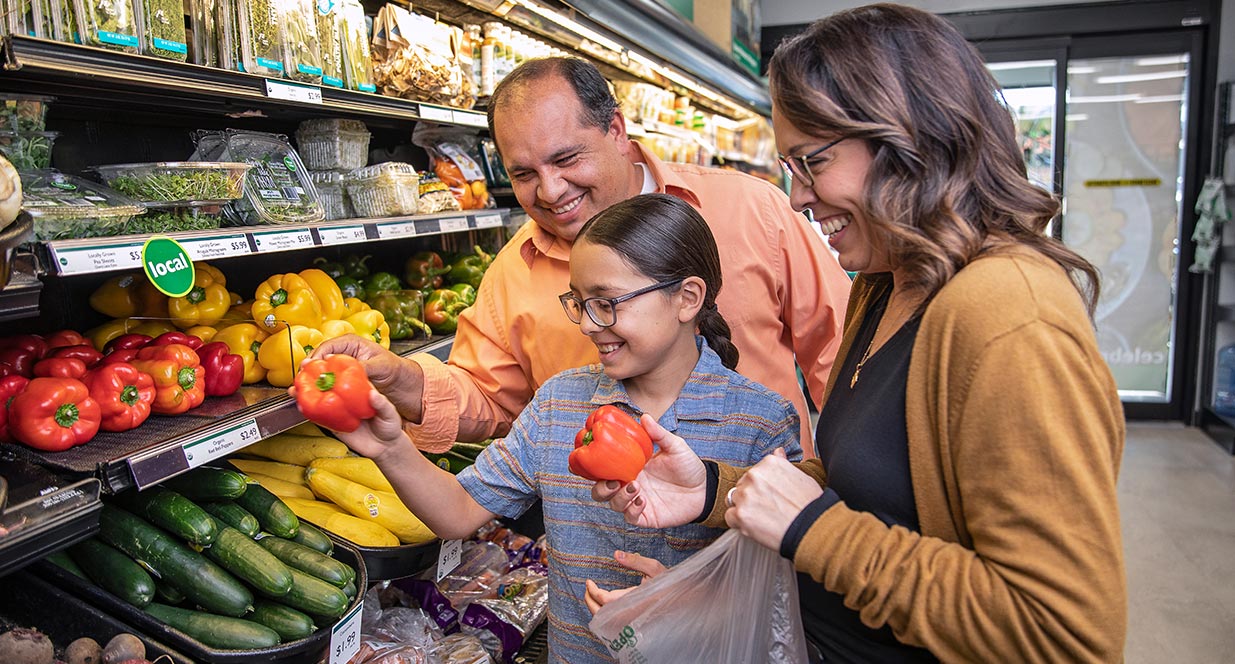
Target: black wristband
[709, 496]
[804, 520]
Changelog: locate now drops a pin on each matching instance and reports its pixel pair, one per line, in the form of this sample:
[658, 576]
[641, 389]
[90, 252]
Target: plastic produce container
[260, 32]
[333, 144]
[181, 182]
[330, 39]
[354, 32]
[302, 56]
[163, 29]
[278, 189]
[388, 189]
[332, 194]
[28, 150]
[64, 206]
[160, 218]
[24, 112]
[108, 24]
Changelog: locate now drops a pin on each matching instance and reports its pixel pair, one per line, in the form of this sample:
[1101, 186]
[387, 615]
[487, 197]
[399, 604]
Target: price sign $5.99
[345, 636]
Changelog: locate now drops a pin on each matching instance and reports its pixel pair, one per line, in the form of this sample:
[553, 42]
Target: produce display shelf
[41, 512]
[165, 446]
[123, 252]
[74, 71]
[20, 298]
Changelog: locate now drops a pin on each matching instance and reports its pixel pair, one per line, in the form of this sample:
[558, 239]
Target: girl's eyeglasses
[799, 167]
[603, 310]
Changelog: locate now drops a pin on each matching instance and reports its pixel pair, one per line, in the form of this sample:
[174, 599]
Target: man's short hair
[585, 79]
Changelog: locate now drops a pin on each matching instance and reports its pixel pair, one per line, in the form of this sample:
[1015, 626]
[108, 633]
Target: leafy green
[165, 35]
[108, 23]
[158, 221]
[28, 151]
[202, 185]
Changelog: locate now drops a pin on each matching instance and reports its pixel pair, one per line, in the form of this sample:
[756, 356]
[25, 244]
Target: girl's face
[835, 196]
[653, 335]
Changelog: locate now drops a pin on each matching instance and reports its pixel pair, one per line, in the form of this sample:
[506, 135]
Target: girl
[644, 275]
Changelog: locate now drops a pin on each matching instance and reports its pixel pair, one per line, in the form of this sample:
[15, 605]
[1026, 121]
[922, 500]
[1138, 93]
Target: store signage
[488, 220]
[221, 246]
[470, 119]
[396, 229]
[436, 114]
[454, 224]
[1128, 182]
[342, 234]
[96, 258]
[283, 240]
[286, 91]
[345, 636]
[168, 266]
[223, 443]
[448, 558]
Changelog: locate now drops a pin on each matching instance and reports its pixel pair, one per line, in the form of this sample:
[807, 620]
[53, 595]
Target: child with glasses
[644, 275]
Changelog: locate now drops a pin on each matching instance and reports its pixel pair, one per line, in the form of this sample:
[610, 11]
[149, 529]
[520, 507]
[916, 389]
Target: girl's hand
[648, 567]
[668, 492]
[768, 498]
[380, 436]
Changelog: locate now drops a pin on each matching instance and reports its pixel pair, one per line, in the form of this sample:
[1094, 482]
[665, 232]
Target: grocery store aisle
[1177, 502]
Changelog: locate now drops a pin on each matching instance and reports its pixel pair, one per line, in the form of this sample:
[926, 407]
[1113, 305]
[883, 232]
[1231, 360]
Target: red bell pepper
[7, 370]
[224, 370]
[54, 414]
[119, 355]
[177, 338]
[20, 359]
[26, 341]
[65, 338]
[60, 367]
[610, 446]
[10, 386]
[124, 395]
[179, 379]
[334, 392]
[84, 352]
[127, 341]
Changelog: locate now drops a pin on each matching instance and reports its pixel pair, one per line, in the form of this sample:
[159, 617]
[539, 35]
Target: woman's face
[835, 197]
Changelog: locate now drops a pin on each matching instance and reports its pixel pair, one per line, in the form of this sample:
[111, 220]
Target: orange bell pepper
[179, 379]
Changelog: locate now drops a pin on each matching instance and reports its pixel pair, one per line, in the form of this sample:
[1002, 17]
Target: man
[563, 142]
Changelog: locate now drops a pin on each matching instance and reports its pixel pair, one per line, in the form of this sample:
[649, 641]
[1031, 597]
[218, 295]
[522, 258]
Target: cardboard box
[734, 25]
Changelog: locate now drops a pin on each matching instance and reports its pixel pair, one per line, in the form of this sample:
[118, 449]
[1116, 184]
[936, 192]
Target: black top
[864, 446]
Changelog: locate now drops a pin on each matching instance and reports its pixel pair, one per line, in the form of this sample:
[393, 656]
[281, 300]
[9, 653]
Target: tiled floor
[1177, 502]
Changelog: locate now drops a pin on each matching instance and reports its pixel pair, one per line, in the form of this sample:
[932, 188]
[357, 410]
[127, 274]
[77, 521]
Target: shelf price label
[342, 234]
[283, 240]
[454, 224]
[436, 113]
[488, 220]
[102, 258]
[222, 443]
[470, 119]
[345, 636]
[222, 246]
[395, 229]
[448, 557]
[288, 92]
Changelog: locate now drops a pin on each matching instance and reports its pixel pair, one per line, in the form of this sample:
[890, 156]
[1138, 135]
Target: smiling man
[564, 143]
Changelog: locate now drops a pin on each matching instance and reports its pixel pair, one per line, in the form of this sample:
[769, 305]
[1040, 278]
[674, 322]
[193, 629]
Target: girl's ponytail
[716, 331]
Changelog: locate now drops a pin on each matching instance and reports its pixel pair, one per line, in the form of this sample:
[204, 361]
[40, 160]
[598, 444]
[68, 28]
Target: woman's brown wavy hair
[948, 181]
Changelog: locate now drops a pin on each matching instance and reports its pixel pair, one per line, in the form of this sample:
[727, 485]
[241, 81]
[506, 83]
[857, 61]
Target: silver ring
[729, 497]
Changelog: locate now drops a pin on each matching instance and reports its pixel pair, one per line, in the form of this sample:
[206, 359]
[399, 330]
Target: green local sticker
[168, 267]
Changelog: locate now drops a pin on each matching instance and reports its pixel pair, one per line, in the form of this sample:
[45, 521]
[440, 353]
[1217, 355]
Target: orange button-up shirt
[784, 297]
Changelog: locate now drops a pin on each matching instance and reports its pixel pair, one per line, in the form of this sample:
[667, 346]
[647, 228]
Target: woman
[963, 505]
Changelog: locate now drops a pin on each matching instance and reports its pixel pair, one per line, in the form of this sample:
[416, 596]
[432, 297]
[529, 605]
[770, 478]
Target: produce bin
[181, 182]
[64, 206]
[23, 112]
[28, 150]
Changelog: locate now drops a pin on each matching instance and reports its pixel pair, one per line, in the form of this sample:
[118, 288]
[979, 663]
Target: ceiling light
[1151, 76]
[1180, 59]
[1024, 64]
[1103, 99]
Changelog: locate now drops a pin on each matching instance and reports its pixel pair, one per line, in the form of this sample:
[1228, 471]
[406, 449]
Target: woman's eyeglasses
[799, 167]
[603, 310]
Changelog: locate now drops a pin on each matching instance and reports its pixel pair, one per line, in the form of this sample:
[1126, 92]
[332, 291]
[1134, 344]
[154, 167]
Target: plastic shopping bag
[734, 601]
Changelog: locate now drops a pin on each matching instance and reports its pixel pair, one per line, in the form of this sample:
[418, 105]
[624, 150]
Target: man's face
[563, 171]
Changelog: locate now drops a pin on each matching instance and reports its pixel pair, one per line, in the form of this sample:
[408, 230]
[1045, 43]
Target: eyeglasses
[603, 310]
[799, 167]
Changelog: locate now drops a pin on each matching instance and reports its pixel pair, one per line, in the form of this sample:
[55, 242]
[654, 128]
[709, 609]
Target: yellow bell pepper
[282, 352]
[150, 327]
[151, 302]
[204, 332]
[286, 299]
[371, 325]
[354, 305]
[206, 303]
[245, 340]
[236, 299]
[238, 313]
[117, 297]
[327, 292]
[336, 328]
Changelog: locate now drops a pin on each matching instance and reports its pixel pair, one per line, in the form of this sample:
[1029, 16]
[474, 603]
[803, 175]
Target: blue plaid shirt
[721, 414]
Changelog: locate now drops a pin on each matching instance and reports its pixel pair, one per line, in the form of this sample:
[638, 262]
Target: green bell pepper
[442, 309]
[334, 269]
[380, 282]
[401, 309]
[350, 287]
[354, 266]
[424, 270]
[470, 268]
[466, 293]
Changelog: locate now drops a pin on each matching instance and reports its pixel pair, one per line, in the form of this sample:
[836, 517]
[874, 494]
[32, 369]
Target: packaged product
[227, 35]
[28, 150]
[333, 194]
[203, 17]
[503, 622]
[387, 189]
[64, 206]
[20, 112]
[162, 27]
[260, 34]
[495, 170]
[332, 144]
[435, 196]
[302, 55]
[108, 23]
[451, 152]
[58, 22]
[415, 57]
[354, 34]
[277, 189]
[166, 219]
[330, 40]
[23, 17]
[177, 181]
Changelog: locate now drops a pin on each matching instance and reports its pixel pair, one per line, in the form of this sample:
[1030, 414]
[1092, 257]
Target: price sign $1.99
[345, 636]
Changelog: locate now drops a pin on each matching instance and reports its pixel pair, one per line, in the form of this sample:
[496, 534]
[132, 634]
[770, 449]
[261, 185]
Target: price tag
[283, 240]
[220, 444]
[345, 636]
[342, 234]
[454, 224]
[470, 119]
[288, 92]
[85, 260]
[436, 114]
[394, 229]
[206, 248]
[488, 220]
[448, 557]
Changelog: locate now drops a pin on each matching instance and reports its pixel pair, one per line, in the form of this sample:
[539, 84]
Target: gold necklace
[858, 369]
[887, 311]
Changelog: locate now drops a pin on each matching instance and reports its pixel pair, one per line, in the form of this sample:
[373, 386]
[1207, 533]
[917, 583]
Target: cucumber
[314, 596]
[114, 572]
[271, 512]
[314, 539]
[207, 483]
[350, 589]
[235, 516]
[301, 557]
[172, 512]
[190, 572]
[167, 593]
[62, 560]
[216, 631]
[240, 555]
[288, 622]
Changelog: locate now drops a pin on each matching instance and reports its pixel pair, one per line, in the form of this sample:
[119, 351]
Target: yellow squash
[380, 507]
[357, 469]
[334, 519]
[281, 488]
[299, 450]
[280, 471]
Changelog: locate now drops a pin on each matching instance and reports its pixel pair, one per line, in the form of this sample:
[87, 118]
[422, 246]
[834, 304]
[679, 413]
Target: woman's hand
[380, 436]
[648, 567]
[668, 492]
[768, 498]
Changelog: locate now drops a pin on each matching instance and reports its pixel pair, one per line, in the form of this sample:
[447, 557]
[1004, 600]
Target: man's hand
[668, 492]
[398, 379]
